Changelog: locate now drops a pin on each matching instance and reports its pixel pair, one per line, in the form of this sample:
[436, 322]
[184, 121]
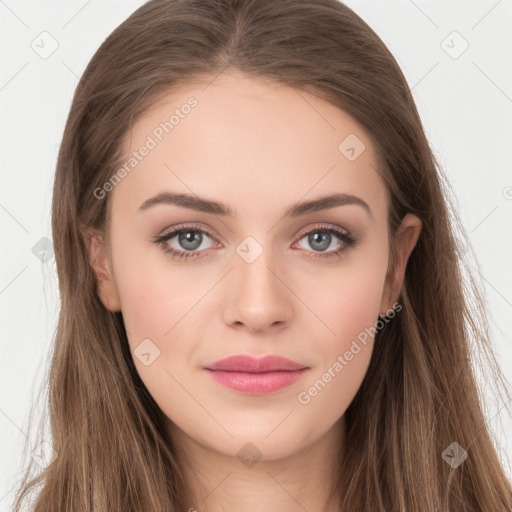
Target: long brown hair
[419, 394]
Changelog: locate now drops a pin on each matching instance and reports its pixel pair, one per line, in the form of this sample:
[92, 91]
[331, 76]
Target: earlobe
[406, 238]
[101, 268]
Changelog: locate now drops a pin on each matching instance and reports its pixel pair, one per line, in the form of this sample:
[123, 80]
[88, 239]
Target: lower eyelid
[165, 239]
[343, 237]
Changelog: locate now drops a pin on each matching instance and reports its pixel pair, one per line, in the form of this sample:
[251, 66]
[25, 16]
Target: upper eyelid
[170, 233]
[174, 230]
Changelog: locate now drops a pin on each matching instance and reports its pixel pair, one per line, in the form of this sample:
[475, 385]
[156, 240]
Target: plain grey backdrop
[456, 56]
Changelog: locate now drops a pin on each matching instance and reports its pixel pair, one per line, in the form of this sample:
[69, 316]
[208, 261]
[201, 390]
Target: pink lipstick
[256, 376]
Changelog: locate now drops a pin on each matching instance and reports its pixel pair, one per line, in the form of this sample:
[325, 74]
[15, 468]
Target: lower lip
[256, 383]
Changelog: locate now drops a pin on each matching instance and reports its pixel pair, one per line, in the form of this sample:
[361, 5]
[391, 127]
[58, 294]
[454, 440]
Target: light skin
[259, 148]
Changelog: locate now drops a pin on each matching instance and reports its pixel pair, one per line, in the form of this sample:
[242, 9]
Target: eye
[322, 237]
[184, 241]
[188, 239]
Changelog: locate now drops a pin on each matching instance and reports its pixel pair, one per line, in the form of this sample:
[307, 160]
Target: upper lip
[248, 364]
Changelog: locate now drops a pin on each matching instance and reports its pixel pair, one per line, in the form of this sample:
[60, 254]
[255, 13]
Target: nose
[259, 295]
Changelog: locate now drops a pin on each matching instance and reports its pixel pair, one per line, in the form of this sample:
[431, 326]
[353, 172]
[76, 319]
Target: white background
[465, 104]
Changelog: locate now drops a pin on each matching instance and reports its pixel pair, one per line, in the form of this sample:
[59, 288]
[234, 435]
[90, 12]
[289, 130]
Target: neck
[302, 480]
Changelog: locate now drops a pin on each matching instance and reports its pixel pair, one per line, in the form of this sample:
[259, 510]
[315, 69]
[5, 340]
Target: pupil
[190, 242]
[325, 240]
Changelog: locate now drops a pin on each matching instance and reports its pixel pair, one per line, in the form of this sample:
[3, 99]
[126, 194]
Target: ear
[405, 240]
[102, 268]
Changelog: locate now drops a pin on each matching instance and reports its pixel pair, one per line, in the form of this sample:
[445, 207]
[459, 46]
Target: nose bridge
[259, 295]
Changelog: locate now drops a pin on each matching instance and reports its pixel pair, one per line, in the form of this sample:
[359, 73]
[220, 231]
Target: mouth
[255, 376]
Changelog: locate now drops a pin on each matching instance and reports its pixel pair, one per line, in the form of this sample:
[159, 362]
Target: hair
[419, 394]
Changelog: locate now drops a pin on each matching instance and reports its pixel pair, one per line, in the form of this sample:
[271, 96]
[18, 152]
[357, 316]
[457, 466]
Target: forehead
[248, 142]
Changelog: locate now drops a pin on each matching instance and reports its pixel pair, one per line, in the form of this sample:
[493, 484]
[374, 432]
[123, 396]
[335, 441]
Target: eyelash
[348, 241]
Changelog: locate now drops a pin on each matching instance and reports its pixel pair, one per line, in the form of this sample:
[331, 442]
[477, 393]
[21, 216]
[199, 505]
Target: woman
[262, 297]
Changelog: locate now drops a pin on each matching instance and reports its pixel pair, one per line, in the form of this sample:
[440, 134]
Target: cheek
[145, 301]
[160, 326]
[349, 307]
[152, 292]
[162, 312]
[347, 299]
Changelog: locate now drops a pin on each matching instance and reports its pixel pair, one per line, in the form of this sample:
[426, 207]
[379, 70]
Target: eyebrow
[197, 203]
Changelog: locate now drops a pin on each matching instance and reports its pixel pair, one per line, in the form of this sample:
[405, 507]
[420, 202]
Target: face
[197, 284]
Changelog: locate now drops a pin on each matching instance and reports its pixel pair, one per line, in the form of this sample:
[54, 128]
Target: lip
[249, 364]
[256, 376]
